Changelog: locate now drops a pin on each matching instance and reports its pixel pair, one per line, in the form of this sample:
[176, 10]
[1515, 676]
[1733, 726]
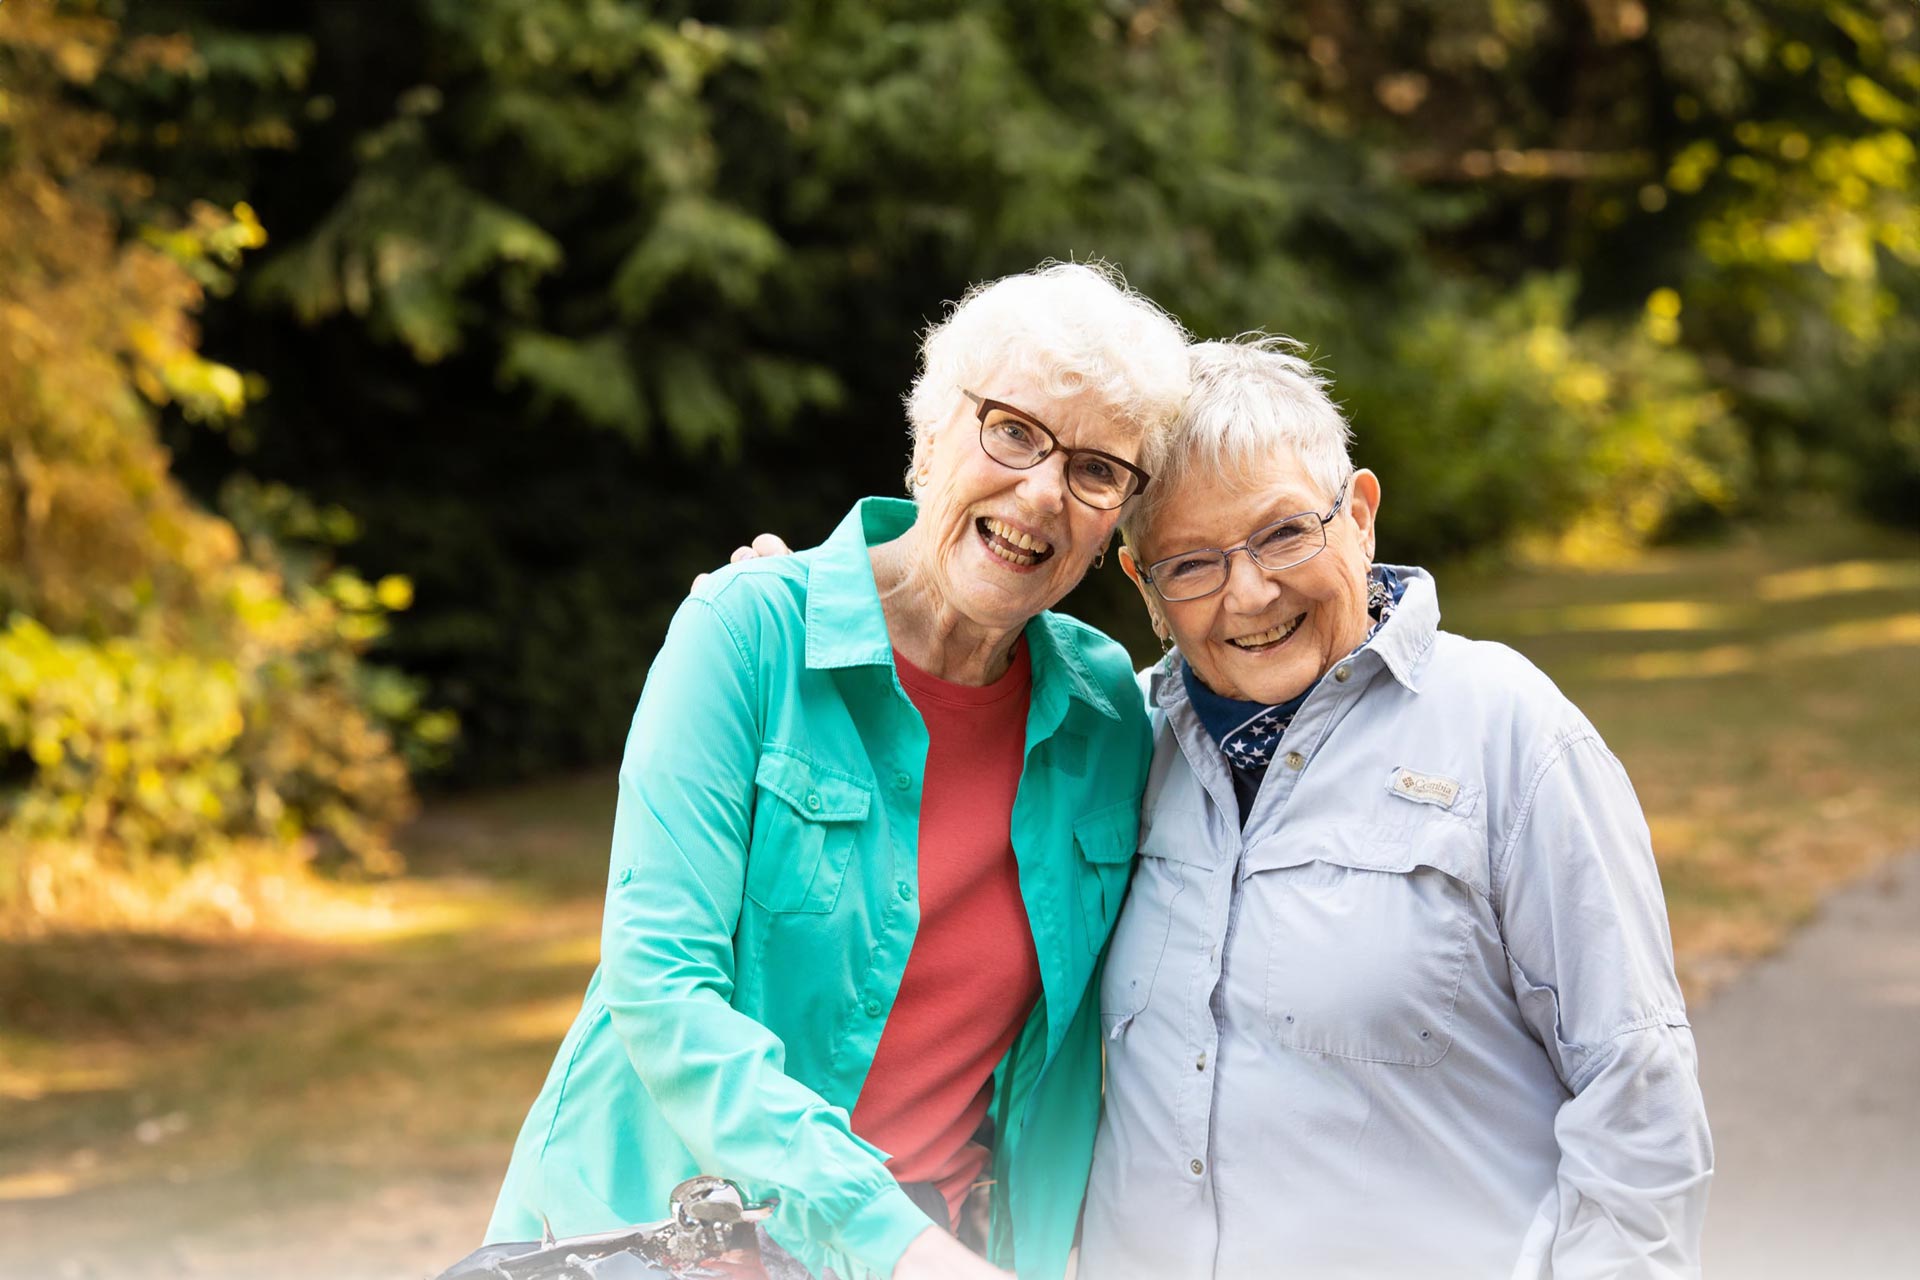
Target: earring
[1101, 558]
[1376, 592]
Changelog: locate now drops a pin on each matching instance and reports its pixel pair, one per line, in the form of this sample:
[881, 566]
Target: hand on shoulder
[767, 544]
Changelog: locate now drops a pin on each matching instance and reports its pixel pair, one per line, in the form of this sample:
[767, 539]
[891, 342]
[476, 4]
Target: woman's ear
[1363, 504]
[1131, 567]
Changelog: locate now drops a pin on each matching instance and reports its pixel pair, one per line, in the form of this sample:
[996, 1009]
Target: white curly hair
[1067, 328]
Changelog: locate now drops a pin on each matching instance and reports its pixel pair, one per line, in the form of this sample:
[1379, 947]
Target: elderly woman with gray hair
[875, 821]
[1392, 993]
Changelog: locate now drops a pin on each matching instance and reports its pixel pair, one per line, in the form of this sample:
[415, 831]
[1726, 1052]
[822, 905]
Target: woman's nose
[1250, 589]
[1043, 486]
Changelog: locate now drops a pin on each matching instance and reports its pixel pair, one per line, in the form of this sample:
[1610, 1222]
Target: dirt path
[338, 1099]
[1811, 1064]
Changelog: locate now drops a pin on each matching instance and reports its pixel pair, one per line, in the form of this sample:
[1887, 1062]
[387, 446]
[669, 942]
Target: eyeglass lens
[1017, 443]
[1281, 545]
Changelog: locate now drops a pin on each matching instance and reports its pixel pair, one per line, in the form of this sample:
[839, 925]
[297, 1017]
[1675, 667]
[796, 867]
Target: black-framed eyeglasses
[1016, 439]
[1280, 545]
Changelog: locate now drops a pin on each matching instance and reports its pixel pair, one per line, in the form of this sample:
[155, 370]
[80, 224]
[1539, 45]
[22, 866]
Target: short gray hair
[1249, 396]
[1071, 328]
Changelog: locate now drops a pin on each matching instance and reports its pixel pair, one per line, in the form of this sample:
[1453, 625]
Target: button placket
[1194, 1102]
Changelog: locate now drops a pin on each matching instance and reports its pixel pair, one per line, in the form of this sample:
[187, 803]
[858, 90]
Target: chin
[1253, 681]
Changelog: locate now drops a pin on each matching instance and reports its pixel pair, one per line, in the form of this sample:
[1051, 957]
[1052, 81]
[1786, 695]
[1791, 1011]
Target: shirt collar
[1405, 641]
[847, 628]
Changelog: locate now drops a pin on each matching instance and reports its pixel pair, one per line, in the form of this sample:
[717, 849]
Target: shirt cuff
[882, 1229]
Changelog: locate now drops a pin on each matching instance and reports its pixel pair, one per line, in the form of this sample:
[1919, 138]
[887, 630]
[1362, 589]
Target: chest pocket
[1105, 839]
[1366, 932]
[805, 818]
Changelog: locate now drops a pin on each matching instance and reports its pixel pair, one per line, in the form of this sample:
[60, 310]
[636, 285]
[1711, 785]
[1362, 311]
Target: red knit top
[972, 976]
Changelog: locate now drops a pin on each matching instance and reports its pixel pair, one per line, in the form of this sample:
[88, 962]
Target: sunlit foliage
[169, 688]
[568, 296]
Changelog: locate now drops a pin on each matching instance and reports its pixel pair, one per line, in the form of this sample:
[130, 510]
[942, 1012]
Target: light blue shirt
[1419, 1017]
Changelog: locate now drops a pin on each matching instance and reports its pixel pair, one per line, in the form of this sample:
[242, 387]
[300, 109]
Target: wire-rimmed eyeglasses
[1283, 544]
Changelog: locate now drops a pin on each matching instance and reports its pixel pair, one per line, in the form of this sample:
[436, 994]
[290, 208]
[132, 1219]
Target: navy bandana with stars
[1248, 733]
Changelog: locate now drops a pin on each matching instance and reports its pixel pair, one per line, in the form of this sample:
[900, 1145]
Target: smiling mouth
[1264, 641]
[1011, 545]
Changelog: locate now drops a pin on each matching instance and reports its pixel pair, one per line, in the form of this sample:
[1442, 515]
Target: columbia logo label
[1425, 788]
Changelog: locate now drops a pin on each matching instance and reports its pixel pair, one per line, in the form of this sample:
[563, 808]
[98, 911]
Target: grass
[187, 1104]
[1762, 697]
[345, 1077]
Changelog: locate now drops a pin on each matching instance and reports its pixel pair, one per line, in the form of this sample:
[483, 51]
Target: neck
[926, 629]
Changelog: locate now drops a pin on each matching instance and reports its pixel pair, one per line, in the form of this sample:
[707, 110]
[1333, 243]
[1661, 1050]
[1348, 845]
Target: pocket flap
[1180, 835]
[1109, 834]
[1447, 847]
[815, 791]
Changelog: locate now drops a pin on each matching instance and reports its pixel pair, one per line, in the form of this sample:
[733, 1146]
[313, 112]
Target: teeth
[1267, 637]
[1016, 538]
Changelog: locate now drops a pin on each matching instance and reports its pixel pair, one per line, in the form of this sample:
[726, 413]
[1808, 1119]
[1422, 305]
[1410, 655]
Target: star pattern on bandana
[1251, 746]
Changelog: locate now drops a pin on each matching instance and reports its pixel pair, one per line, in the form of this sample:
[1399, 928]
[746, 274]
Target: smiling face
[1266, 636]
[997, 545]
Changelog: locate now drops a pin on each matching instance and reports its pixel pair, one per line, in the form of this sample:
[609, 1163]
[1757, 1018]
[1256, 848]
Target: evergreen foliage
[566, 297]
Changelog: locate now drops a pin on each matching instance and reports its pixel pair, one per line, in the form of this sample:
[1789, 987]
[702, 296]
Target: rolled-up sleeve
[673, 902]
[1591, 959]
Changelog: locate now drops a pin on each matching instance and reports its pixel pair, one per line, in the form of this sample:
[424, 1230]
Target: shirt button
[1342, 674]
[1295, 760]
[873, 1008]
[813, 801]
[1200, 1063]
[1197, 1167]
[902, 781]
[906, 892]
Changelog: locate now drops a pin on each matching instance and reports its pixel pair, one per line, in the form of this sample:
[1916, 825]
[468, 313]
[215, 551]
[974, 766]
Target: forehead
[1214, 508]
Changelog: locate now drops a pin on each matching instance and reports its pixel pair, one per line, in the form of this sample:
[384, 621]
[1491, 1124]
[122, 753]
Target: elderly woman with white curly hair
[1393, 993]
[875, 820]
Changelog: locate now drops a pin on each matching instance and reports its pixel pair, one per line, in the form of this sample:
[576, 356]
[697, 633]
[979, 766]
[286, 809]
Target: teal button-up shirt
[761, 903]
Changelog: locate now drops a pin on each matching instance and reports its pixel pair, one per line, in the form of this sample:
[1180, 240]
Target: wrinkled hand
[935, 1255]
[767, 544]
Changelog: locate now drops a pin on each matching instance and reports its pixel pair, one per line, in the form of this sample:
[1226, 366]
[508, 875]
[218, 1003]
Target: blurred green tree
[568, 296]
[1738, 178]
